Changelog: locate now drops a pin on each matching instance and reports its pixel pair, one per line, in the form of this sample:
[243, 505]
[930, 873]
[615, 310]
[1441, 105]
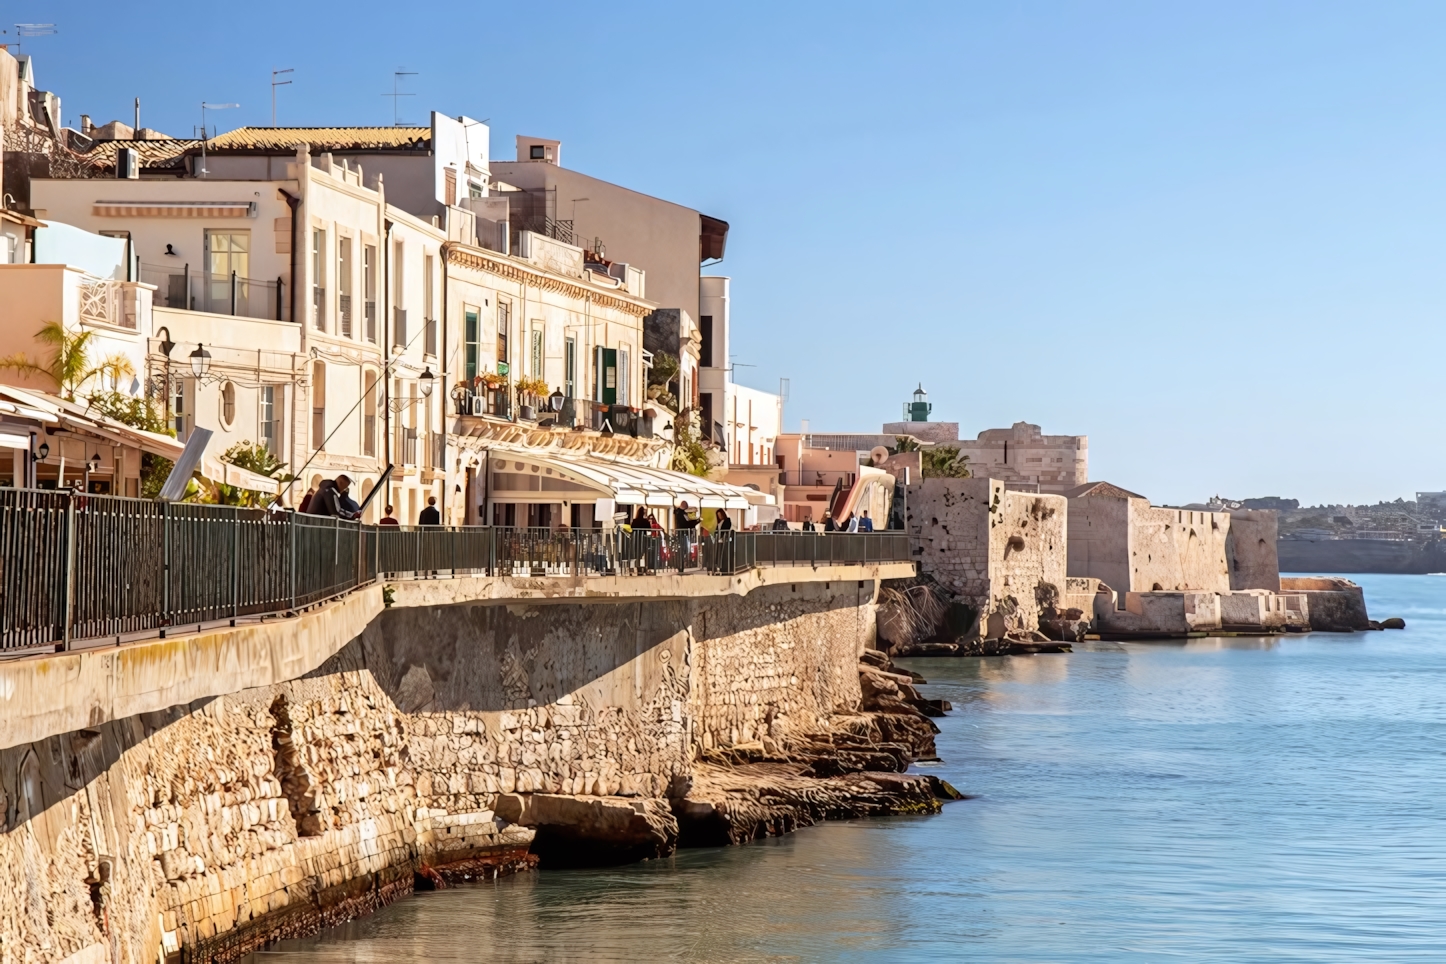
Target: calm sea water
[1216, 800]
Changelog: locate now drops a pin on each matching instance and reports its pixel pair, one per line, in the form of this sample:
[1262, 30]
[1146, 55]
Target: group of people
[333, 498]
[849, 523]
[645, 520]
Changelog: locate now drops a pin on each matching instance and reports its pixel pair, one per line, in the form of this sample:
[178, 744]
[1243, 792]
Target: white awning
[74, 417]
[525, 477]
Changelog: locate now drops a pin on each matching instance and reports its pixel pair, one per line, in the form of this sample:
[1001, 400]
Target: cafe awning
[74, 417]
[525, 477]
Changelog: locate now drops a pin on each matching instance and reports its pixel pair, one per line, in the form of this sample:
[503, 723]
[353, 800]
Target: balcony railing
[409, 446]
[101, 567]
[430, 338]
[179, 286]
[814, 479]
[371, 312]
[343, 314]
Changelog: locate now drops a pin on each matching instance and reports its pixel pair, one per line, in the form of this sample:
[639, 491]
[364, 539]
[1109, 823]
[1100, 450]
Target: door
[607, 376]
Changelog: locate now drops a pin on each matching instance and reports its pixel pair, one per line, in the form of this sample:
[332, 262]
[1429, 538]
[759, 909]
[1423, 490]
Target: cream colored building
[304, 290]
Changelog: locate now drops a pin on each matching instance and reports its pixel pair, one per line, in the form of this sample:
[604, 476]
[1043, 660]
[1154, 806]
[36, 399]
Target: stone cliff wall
[1004, 552]
[235, 820]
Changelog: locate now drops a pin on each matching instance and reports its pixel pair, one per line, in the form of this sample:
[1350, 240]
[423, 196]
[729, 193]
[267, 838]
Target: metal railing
[178, 286]
[76, 567]
[816, 479]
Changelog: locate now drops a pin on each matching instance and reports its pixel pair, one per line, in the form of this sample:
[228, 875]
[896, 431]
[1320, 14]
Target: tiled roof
[1105, 489]
[323, 138]
[153, 153]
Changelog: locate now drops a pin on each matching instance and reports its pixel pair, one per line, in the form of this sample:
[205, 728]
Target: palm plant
[70, 367]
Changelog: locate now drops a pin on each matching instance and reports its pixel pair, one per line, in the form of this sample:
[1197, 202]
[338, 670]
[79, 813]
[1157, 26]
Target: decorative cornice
[480, 260]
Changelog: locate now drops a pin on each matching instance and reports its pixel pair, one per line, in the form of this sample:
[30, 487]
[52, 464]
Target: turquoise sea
[1273, 800]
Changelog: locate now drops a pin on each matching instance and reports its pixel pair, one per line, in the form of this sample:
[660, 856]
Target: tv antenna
[205, 107]
[275, 84]
[34, 30]
[396, 93]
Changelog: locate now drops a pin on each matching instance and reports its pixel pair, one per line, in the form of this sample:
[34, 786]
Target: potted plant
[529, 390]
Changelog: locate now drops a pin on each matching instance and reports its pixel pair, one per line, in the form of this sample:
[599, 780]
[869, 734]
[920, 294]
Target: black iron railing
[96, 567]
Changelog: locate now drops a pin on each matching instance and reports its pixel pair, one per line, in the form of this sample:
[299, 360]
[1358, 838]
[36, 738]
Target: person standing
[721, 522]
[430, 516]
[853, 523]
[306, 500]
[828, 524]
[388, 519]
[866, 524]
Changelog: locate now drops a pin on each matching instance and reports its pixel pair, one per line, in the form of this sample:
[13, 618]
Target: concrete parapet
[1335, 605]
[1264, 611]
[1163, 614]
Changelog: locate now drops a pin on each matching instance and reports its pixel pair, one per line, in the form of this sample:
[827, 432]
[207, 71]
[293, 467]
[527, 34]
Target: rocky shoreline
[856, 768]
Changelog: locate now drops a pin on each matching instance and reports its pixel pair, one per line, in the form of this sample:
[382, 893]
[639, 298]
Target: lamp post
[200, 361]
[425, 382]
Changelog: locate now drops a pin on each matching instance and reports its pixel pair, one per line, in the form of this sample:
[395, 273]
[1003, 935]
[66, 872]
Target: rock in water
[1395, 622]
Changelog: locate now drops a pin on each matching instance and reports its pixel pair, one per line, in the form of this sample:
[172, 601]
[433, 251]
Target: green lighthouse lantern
[918, 410]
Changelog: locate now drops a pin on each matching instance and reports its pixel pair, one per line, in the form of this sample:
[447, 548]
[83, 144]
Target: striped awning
[174, 209]
[528, 477]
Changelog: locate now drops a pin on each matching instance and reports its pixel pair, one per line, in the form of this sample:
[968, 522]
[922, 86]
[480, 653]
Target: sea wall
[220, 824]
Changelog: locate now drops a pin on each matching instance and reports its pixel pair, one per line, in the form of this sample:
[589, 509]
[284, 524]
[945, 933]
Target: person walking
[852, 524]
[388, 519]
[640, 520]
[681, 522]
[721, 522]
[430, 516]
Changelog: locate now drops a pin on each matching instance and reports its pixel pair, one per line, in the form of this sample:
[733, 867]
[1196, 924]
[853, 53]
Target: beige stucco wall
[1251, 549]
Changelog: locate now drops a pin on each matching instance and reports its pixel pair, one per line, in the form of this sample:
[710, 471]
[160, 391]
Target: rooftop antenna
[205, 107]
[783, 386]
[138, 118]
[33, 30]
[275, 84]
[397, 76]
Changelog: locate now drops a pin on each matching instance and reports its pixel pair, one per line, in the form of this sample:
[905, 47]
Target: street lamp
[425, 381]
[43, 452]
[556, 399]
[200, 361]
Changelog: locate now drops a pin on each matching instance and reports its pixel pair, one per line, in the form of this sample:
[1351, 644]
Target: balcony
[181, 287]
[343, 315]
[371, 319]
[817, 479]
[409, 446]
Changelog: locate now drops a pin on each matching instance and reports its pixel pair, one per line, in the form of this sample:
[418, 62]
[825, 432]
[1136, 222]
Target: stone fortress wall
[217, 825]
[1028, 562]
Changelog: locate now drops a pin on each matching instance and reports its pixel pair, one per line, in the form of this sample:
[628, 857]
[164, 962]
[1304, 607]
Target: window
[705, 352]
[535, 153]
[605, 376]
[429, 309]
[369, 413]
[449, 192]
[228, 253]
[178, 408]
[474, 189]
[318, 404]
[535, 358]
[369, 289]
[471, 343]
[623, 398]
[270, 413]
[318, 277]
[399, 314]
[504, 324]
[228, 405]
[343, 286]
[569, 368]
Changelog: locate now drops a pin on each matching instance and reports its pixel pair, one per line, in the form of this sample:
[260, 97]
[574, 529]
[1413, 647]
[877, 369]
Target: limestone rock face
[592, 831]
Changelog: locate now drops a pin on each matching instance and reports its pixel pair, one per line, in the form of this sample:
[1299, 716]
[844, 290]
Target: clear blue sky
[1209, 236]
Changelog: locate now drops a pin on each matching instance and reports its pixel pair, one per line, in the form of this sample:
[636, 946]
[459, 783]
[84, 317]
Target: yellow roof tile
[322, 138]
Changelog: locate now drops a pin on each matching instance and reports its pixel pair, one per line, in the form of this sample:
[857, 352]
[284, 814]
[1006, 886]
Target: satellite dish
[879, 455]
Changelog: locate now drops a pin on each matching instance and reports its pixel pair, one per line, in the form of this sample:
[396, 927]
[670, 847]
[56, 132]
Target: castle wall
[232, 820]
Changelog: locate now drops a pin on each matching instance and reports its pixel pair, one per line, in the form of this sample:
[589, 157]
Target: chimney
[85, 125]
[128, 164]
